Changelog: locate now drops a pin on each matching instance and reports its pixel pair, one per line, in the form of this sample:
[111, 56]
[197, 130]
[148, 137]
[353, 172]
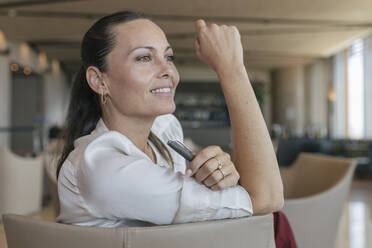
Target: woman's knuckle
[234, 180]
[237, 175]
[198, 177]
[215, 177]
[193, 166]
[209, 168]
[203, 154]
[235, 30]
[237, 33]
[217, 149]
[227, 156]
[206, 182]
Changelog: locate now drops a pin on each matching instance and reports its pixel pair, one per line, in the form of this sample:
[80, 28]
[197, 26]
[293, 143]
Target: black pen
[181, 149]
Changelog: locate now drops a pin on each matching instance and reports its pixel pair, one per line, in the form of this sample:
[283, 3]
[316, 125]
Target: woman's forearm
[254, 156]
[220, 47]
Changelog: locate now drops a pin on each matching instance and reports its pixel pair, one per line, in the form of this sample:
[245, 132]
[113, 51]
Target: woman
[116, 169]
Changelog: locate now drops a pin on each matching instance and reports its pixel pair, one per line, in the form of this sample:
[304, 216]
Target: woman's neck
[134, 128]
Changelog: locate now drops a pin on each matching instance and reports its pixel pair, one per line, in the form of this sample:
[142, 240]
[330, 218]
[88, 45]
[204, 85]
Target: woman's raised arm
[254, 157]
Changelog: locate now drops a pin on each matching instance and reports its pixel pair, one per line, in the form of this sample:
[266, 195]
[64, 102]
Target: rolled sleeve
[199, 203]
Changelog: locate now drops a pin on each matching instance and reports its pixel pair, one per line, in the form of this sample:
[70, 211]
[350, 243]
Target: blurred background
[309, 63]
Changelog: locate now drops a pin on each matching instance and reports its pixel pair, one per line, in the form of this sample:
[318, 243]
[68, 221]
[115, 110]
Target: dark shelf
[201, 105]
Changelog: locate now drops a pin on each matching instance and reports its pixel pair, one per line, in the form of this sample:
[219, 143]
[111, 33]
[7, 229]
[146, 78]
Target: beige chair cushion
[257, 231]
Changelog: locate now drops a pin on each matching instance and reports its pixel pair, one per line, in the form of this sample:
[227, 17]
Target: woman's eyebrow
[149, 48]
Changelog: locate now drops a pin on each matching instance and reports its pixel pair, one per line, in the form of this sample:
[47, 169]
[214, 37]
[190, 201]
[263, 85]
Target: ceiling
[274, 33]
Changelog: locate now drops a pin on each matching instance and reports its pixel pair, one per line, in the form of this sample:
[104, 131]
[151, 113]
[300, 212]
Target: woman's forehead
[141, 32]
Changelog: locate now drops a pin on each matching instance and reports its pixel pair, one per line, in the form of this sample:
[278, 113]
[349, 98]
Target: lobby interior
[309, 63]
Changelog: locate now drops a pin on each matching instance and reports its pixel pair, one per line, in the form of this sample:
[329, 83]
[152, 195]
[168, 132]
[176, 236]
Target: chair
[50, 159]
[21, 182]
[257, 231]
[316, 189]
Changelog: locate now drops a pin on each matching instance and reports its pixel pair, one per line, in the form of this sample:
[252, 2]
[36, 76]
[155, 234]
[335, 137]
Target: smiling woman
[141, 62]
[116, 169]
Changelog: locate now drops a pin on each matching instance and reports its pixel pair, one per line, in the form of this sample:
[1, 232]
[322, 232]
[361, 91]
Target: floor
[356, 224]
[360, 215]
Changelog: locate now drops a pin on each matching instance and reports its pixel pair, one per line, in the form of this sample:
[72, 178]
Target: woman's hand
[214, 168]
[218, 46]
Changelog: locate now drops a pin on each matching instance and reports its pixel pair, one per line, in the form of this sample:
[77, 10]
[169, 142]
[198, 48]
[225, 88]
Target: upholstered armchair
[316, 189]
[255, 232]
[21, 182]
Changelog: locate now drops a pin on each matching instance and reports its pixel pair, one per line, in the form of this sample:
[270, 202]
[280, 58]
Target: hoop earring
[103, 98]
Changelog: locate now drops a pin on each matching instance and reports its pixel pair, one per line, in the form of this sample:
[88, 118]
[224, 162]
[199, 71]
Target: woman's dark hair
[84, 109]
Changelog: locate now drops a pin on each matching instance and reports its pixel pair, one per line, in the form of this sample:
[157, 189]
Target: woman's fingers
[210, 168]
[205, 168]
[203, 156]
[200, 24]
[227, 182]
[218, 174]
[197, 48]
[218, 45]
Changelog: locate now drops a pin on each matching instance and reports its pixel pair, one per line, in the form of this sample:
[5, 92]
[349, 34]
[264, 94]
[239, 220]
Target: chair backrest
[257, 231]
[50, 159]
[20, 183]
[316, 188]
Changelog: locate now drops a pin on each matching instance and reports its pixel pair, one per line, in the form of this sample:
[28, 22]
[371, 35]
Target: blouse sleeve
[116, 186]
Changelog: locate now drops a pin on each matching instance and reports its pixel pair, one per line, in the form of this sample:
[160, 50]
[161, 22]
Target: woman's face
[141, 76]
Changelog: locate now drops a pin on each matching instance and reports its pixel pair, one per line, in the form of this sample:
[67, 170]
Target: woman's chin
[166, 110]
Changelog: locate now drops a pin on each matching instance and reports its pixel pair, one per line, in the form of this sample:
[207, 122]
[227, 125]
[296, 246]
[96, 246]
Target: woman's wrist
[232, 74]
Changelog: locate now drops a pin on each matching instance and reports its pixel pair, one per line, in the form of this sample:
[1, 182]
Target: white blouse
[107, 181]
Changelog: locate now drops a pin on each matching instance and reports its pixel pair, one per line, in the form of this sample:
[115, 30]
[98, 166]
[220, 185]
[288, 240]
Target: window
[355, 91]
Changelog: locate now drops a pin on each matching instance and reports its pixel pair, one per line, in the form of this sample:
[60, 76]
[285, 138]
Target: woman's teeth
[161, 90]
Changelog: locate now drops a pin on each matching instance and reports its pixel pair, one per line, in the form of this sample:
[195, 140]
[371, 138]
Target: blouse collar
[101, 126]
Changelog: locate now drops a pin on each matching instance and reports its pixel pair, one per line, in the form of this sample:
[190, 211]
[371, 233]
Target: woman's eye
[171, 58]
[144, 58]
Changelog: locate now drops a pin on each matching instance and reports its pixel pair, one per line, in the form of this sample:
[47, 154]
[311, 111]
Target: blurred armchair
[316, 189]
[21, 182]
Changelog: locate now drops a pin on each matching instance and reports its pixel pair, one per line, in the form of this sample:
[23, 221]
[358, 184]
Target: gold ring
[219, 167]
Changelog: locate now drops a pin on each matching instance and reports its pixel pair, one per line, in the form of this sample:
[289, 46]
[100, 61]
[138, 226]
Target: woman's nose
[165, 69]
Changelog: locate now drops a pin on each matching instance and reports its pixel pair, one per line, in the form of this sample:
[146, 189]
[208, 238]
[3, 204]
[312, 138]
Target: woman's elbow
[265, 202]
[279, 203]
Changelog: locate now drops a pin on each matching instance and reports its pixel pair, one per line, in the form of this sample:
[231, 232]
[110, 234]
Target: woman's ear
[95, 81]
